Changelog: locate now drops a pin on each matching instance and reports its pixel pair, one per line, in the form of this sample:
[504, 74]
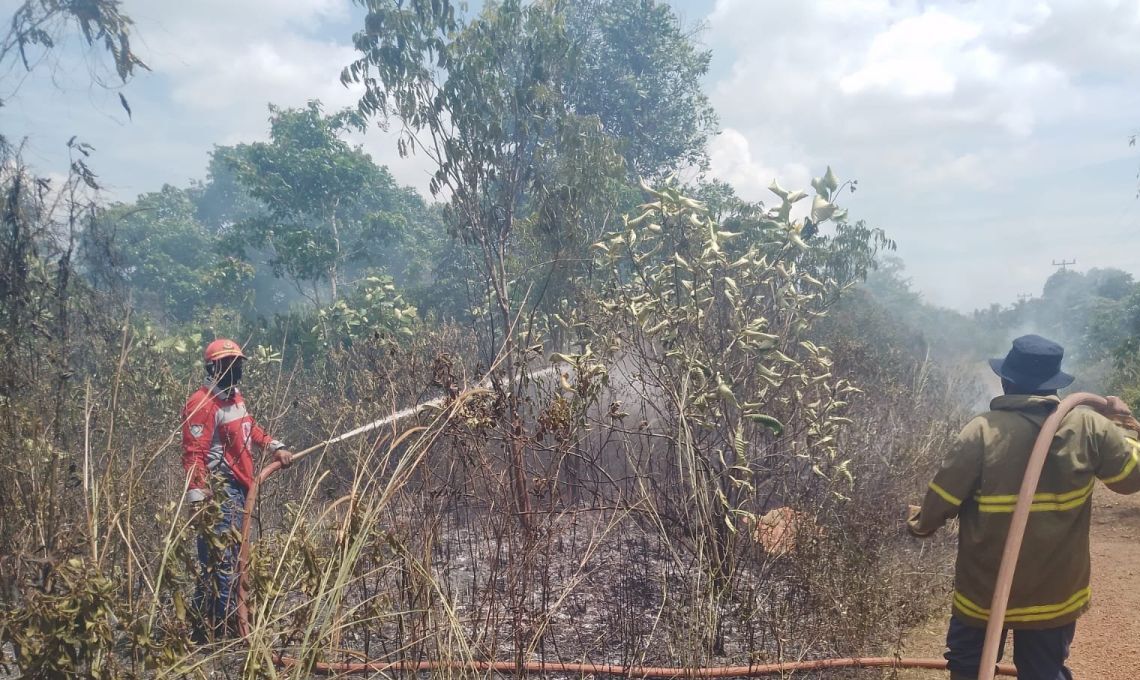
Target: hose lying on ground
[629, 671]
[989, 667]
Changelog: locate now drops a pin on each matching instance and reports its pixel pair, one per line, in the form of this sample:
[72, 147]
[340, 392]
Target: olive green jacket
[978, 482]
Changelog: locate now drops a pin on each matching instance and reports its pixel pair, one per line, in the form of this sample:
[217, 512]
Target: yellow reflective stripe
[1042, 502]
[1027, 618]
[946, 495]
[1037, 497]
[1133, 459]
[969, 608]
[1036, 507]
[1043, 612]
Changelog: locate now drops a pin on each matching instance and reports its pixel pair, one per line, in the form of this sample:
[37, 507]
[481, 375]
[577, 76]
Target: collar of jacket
[1025, 402]
[218, 392]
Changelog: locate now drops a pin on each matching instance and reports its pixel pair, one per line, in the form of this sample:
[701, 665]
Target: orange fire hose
[989, 667]
[630, 671]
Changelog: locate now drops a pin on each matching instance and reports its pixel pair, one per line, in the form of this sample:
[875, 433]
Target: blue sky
[988, 138]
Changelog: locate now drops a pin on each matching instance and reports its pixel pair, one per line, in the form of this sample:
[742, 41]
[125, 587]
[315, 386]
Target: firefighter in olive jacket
[978, 483]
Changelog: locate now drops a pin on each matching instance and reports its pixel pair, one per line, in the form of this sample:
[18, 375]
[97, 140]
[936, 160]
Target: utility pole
[1064, 264]
[1024, 297]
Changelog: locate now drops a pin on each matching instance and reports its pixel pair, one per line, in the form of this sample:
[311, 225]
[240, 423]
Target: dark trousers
[1038, 654]
[215, 597]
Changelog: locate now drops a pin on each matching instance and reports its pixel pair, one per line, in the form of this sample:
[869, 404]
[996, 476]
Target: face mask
[229, 374]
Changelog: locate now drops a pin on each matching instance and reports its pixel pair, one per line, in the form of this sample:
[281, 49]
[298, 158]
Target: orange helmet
[222, 348]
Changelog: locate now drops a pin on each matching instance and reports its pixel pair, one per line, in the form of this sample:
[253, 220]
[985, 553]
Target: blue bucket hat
[1033, 363]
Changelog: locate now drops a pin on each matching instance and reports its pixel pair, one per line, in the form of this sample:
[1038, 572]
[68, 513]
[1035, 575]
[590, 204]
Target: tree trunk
[336, 256]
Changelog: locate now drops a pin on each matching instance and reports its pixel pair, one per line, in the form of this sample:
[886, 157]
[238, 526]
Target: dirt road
[1107, 646]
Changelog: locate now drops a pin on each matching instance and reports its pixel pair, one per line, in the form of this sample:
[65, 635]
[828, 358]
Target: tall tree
[535, 123]
[221, 201]
[326, 203]
[640, 73]
[537, 115]
[483, 100]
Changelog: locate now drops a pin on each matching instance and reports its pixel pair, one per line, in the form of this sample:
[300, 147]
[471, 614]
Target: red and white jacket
[217, 434]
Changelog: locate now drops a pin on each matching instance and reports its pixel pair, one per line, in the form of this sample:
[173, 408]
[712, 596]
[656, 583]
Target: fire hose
[994, 628]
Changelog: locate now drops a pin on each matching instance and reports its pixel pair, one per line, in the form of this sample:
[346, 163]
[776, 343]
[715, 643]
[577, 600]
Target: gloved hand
[284, 456]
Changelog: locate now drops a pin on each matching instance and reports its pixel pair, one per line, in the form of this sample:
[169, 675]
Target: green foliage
[67, 627]
[1126, 355]
[734, 326]
[536, 119]
[1093, 314]
[157, 248]
[375, 307]
[487, 95]
[846, 253]
[220, 201]
[715, 321]
[327, 205]
[936, 332]
[1126, 379]
[216, 249]
[639, 71]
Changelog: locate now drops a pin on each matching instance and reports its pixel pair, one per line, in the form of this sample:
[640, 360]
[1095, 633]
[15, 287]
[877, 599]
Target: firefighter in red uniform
[218, 435]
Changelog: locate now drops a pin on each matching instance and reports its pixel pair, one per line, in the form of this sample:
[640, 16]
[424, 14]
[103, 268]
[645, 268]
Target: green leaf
[767, 421]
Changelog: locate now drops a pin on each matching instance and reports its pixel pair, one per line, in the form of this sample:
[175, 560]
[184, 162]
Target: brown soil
[1106, 646]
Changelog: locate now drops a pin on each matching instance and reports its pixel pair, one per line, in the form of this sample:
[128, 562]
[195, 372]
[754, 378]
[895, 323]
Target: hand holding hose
[1118, 412]
[284, 457]
[1115, 406]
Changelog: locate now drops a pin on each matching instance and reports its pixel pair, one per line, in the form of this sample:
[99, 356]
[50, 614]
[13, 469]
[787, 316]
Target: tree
[158, 249]
[537, 115]
[1110, 283]
[327, 205]
[641, 75]
[221, 201]
[484, 101]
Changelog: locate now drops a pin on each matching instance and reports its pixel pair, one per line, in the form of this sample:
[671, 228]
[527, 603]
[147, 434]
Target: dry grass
[420, 547]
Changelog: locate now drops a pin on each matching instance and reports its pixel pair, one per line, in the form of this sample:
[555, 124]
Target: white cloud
[877, 74]
[915, 57]
[216, 64]
[965, 122]
[731, 155]
[288, 71]
[219, 55]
